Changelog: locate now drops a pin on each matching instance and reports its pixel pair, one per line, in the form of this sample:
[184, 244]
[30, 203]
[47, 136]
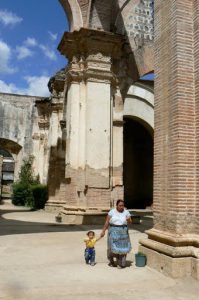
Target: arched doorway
[11, 153]
[138, 164]
[7, 176]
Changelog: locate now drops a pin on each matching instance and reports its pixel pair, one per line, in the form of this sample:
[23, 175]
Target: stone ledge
[175, 252]
[174, 240]
[173, 267]
[74, 218]
[86, 209]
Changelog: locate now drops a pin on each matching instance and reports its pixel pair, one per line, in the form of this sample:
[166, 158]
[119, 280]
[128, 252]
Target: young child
[89, 253]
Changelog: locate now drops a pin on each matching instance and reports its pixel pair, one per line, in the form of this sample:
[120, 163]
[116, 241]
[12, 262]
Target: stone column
[89, 116]
[117, 148]
[40, 138]
[55, 152]
[172, 244]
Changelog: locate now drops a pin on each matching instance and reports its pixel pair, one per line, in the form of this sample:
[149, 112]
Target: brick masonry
[175, 142]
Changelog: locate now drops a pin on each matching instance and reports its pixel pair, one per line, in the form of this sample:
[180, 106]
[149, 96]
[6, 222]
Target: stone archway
[73, 12]
[7, 173]
[14, 149]
[138, 147]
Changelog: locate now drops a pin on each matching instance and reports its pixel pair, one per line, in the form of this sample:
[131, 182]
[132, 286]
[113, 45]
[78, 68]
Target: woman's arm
[105, 226]
[129, 220]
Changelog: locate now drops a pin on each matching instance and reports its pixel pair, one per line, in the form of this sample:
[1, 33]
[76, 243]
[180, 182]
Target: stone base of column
[83, 216]
[54, 206]
[176, 257]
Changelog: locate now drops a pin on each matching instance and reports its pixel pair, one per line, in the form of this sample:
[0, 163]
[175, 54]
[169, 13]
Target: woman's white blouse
[118, 218]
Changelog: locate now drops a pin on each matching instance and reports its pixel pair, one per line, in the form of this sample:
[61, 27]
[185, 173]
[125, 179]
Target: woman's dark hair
[118, 202]
[90, 232]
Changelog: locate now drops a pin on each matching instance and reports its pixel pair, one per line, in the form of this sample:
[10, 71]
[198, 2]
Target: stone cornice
[91, 54]
[87, 41]
[56, 106]
[118, 123]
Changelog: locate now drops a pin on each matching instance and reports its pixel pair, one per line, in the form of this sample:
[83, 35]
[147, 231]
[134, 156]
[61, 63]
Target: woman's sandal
[112, 265]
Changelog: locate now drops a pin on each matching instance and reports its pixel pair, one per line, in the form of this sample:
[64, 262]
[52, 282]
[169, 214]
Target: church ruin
[93, 138]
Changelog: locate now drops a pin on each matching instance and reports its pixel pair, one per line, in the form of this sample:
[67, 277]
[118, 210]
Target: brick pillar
[196, 52]
[172, 245]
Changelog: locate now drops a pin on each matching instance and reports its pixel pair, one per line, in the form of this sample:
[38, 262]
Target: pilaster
[89, 115]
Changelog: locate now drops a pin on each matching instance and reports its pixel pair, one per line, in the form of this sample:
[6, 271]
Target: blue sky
[30, 31]
[149, 76]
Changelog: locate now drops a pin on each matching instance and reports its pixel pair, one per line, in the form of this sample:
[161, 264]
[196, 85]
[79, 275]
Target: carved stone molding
[91, 54]
[89, 42]
[56, 106]
[63, 124]
[57, 82]
[118, 123]
[43, 124]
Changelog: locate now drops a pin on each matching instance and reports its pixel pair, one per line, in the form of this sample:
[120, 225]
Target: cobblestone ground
[44, 260]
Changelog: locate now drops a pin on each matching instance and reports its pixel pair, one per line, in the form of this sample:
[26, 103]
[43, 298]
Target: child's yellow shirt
[90, 243]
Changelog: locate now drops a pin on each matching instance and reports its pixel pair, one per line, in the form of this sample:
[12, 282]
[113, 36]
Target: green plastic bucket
[140, 260]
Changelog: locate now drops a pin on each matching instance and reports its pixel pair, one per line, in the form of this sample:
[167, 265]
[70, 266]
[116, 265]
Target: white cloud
[36, 86]
[9, 18]
[48, 52]
[23, 52]
[53, 36]
[7, 88]
[5, 56]
[30, 42]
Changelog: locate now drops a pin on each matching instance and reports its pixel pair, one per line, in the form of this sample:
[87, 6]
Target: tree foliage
[28, 191]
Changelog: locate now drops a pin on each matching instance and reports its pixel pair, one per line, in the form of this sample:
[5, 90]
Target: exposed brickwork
[98, 197]
[174, 167]
[84, 4]
[196, 57]
[101, 14]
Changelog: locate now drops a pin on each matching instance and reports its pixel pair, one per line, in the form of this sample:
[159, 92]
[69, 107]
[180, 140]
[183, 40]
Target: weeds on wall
[28, 191]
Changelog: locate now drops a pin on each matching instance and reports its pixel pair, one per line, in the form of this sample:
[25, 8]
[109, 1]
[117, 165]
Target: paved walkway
[44, 260]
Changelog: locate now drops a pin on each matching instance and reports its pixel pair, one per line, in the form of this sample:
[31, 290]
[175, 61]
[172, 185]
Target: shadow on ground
[11, 226]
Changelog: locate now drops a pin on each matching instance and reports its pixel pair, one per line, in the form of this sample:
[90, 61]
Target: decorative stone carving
[57, 82]
[43, 107]
[63, 124]
[91, 54]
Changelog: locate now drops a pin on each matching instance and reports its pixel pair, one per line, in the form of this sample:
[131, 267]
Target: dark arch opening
[138, 165]
[8, 148]
[5, 153]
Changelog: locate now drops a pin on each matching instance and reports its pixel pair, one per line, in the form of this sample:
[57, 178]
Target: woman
[118, 237]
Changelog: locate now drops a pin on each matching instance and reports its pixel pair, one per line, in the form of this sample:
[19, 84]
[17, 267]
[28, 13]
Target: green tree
[28, 191]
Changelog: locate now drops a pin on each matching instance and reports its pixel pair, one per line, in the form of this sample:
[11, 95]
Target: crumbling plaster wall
[19, 125]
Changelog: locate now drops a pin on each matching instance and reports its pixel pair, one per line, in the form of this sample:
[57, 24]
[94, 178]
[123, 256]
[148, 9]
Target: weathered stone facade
[18, 126]
[81, 133]
[109, 47]
[172, 246]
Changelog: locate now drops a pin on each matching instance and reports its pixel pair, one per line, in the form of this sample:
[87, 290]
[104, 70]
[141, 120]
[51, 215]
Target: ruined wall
[16, 126]
[22, 130]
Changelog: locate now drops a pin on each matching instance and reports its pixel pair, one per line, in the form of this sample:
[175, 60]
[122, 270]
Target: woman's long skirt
[118, 241]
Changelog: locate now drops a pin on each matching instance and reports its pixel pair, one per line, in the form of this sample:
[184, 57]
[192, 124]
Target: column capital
[91, 53]
[87, 41]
